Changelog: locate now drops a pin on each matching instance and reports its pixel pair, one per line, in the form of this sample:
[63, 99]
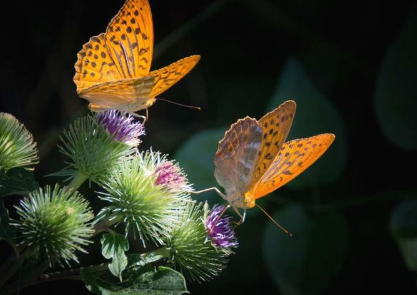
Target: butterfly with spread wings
[253, 160]
[113, 68]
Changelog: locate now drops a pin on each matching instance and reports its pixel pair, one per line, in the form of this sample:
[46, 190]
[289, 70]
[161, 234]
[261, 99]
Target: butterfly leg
[141, 117]
[209, 189]
[242, 217]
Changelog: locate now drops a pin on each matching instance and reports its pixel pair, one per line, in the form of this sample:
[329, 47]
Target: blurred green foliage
[315, 114]
[395, 97]
[306, 262]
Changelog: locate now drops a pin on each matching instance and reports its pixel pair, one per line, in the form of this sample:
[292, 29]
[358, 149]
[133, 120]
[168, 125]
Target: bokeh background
[352, 69]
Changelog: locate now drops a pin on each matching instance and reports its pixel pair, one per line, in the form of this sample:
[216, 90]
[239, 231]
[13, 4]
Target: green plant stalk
[105, 224]
[164, 252]
[77, 181]
[12, 258]
[15, 286]
[12, 269]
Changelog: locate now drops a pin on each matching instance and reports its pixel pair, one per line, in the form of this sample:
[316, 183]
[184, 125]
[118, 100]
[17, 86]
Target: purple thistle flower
[170, 176]
[121, 127]
[219, 230]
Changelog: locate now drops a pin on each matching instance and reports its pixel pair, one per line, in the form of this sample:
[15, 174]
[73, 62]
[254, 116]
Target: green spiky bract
[55, 223]
[17, 148]
[93, 151]
[191, 250]
[145, 208]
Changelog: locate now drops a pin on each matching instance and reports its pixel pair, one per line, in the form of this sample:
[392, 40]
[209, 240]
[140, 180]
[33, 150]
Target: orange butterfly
[253, 160]
[113, 68]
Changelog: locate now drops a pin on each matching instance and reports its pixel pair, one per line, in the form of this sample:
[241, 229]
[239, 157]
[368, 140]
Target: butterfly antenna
[274, 222]
[179, 104]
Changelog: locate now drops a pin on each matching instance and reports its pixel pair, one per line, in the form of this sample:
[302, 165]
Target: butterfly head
[239, 200]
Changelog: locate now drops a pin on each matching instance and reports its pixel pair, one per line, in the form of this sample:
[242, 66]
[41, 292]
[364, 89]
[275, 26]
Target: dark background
[360, 57]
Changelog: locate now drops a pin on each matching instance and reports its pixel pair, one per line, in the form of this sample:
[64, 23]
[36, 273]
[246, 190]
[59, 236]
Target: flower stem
[5, 267]
[14, 267]
[77, 181]
[164, 252]
[104, 224]
[16, 285]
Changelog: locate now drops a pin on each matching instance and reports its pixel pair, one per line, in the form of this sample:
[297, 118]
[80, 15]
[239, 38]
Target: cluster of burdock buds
[146, 197]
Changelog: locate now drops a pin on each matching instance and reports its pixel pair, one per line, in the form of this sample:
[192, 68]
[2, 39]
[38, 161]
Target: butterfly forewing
[129, 38]
[275, 128]
[94, 65]
[237, 154]
[168, 76]
[293, 158]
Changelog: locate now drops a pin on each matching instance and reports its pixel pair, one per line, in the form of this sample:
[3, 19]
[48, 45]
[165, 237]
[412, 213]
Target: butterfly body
[113, 68]
[253, 160]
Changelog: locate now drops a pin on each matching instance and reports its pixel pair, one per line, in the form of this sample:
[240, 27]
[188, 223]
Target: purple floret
[219, 230]
[123, 128]
[170, 176]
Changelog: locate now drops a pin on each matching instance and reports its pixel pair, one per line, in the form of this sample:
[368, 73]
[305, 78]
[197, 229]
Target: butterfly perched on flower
[113, 68]
[253, 160]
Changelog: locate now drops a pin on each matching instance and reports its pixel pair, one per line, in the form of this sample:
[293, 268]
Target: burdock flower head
[96, 145]
[145, 208]
[219, 228]
[169, 174]
[197, 252]
[55, 223]
[123, 128]
[17, 148]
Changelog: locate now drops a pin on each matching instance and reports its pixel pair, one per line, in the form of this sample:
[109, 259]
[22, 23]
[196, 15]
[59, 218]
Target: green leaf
[7, 232]
[403, 221]
[304, 263]
[403, 228]
[138, 281]
[17, 181]
[196, 157]
[114, 247]
[315, 114]
[140, 260]
[395, 97]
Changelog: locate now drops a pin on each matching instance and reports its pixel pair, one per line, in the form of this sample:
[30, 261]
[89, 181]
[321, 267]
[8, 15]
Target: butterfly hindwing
[168, 76]
[293, 158]
[124, 95]
[129, 38]
[94, 65]
[236, 156]
[275, 128]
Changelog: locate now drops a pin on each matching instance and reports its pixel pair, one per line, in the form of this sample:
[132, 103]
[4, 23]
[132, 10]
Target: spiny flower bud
[121, 127]
[143, 207]
[17, 148]
[219, 229]
[192, 250]
[92, 149]
[55, 223]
